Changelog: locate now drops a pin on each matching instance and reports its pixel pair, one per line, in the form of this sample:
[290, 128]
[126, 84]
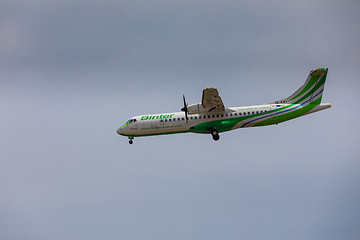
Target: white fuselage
[167, 123]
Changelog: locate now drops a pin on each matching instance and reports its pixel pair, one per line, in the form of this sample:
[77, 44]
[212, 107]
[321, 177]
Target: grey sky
[72, 72]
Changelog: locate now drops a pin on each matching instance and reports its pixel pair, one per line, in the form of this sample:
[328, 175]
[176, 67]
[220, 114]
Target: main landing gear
[214, 134]
[131, 140]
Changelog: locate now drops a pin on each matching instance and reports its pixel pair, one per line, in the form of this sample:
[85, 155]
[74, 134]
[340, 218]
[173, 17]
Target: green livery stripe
[312, 81]
[271, 115]
[220, 125]
[282, 117]
[289, 115]
[228, 124]
[317, 86]
[124, 125]
[275, 117]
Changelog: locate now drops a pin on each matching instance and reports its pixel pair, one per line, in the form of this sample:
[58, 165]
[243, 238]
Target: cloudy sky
[73, 71]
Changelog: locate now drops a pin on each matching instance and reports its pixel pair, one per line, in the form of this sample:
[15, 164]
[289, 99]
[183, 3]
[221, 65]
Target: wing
[211, 100]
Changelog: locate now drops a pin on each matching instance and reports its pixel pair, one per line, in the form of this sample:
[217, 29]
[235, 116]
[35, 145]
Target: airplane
[212, 117]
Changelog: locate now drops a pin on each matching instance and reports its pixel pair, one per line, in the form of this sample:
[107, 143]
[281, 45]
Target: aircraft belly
[220, 125]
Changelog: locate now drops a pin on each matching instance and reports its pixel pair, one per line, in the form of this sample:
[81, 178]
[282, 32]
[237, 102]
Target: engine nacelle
[196, 108]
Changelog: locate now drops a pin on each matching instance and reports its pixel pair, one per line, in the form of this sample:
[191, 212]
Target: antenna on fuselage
[185, 109]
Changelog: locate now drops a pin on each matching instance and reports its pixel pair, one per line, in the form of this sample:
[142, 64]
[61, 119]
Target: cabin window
[178, 119]
[253, 113]
[239, 114]
[191, 118]
[230, 114]
[222, 115]
[244, 113]
[235, 114]
[199, 117]
[170, 120]
[161, 120]
[165, 120]
[213, 116]
[226, 115]
[195, 118]
[183, 119]
[174, 119]
[217, 115]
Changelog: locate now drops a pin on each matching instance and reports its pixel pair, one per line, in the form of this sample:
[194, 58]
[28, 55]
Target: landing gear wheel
[131, 139]
[216, 137]
[215, 134]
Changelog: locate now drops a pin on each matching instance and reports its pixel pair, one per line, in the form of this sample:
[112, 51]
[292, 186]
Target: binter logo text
[150, 117]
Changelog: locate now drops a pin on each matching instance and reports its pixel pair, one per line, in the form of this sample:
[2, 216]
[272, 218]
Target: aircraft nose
[119, 131]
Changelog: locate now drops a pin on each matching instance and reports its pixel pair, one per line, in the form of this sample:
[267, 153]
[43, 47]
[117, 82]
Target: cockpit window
[131, 121]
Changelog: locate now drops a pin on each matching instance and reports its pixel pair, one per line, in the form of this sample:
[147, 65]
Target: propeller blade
[185, 109]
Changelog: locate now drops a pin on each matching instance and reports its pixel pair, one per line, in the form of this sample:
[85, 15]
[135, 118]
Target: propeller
[185, 109]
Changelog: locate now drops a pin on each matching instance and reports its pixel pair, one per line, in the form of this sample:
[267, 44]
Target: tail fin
[312, 90]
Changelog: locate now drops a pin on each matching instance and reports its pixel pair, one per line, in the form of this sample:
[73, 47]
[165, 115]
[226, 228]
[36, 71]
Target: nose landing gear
[131, 140]
[214, 133]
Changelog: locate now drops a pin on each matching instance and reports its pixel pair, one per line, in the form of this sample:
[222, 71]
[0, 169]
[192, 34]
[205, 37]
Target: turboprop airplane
[212, 117]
